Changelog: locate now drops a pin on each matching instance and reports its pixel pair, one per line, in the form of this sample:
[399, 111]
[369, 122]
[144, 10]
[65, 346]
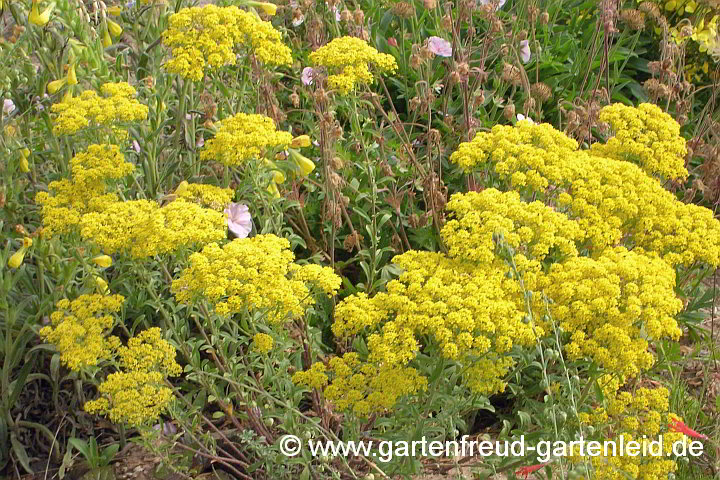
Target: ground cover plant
[374, 220]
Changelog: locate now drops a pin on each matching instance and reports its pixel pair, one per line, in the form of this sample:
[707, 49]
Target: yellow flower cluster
[86, 191]
[532, 229]
[79, 329]
[145, 229]
[348, 61]
[362, 387]
[640, 416]
[262, 343]
[138, 394]
[644, 135]
[209, 196]
[205, 37]
[612, 200]
[243, 137]
[255, 273]
[537, 151]
[456, 302]
[117, 105]
[134, 397]
[612, 306]
[149, 352]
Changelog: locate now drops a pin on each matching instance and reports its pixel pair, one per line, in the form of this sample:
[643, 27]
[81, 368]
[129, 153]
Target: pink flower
[239, 220]
[307, 76]
[440, 46]
[525, 51]
[392, 42]
[8, 106]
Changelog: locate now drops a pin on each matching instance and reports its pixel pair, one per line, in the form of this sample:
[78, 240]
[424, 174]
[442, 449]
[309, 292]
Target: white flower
[525, 51]
[297, 21]
[307, 76]
[521, 117]
[8, 106]
[488, 2]
[239, 220]
[440, 46]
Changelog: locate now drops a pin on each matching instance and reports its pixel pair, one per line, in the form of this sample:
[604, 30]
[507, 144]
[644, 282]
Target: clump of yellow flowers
[587, 239]
[612, 199]
[362, 387]
[144, 229]
[253, 274]
[243, 137]
[137, 394]
[209, 196]
[612, 306]
[117, 105]
[78, 329]
[205, 37]
[87, 189]
[348, 60]
[644, 135]
[639, 416]
[262, 343]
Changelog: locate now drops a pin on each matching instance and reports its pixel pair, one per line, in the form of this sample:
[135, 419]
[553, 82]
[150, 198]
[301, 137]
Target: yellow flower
[101, 284]
[262, 343]
[304, 164]
[203, 38]
[348, 60]
[268, 8]
[115, 10]
[24, 163]
[106, 40]
[40, 19]
[273, 190]
[103, 261]
[114, 29]
[243, 137]
[301, 141]
[56, 85]
[17, 258]
[72, 76]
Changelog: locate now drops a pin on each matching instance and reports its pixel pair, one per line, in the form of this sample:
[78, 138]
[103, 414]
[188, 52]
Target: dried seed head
[352, 241]
[533, 13]
[657, 89]
[529, 104]
[634, 19]
[404, 9]
[509, 111]
[337, 163]
[430, 4]
[544, 18]
[541, 92]
[345, 15]
[511, 74]
[295, 99]
[359, 16]
[446, 22]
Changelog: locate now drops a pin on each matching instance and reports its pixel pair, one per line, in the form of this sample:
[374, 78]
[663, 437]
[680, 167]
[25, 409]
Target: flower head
[239, 220]
[307, 76]
[8, 106]
[440, 46]
[525, 51]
